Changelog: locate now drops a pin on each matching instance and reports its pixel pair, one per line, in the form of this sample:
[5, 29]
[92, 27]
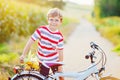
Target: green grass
[117, 49]
[8, 58]
[3, 48]
[110, 28]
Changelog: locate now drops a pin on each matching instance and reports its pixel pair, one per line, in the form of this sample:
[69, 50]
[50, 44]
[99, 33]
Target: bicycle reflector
[15, 69]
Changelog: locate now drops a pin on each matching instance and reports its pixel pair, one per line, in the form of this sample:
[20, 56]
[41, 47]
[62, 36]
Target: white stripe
[51, 34]
[51, 57]
[49, 46]
[60, 45]
[51, 51]
[48, 58]
[47, 52]
[55, 37]
[35, 35]
[46, 43]
[52, 44]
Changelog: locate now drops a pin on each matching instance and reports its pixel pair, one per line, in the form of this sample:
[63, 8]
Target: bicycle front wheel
[27, 77]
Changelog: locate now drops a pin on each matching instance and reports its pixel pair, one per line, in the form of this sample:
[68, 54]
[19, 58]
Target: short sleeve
[60, 45]
[36, 35]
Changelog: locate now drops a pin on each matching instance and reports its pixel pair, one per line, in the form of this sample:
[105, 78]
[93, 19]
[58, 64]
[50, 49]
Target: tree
[108, 7]
[47, 3]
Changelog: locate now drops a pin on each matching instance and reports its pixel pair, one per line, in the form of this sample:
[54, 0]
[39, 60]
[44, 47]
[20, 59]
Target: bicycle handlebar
[91, 56]
[93, 45]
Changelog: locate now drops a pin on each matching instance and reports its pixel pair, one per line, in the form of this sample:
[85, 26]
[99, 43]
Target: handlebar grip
[87, 57]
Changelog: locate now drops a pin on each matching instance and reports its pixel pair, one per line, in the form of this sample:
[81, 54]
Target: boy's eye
[51, 19]
[56, 20]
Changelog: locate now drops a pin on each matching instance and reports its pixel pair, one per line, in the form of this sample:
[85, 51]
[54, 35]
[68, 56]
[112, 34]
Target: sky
[82, 2]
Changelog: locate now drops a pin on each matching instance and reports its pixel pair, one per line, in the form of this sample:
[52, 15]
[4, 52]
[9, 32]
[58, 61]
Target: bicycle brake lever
[101, 69]
[93, 45]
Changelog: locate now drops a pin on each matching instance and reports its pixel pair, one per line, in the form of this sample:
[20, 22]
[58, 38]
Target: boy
[50, 42]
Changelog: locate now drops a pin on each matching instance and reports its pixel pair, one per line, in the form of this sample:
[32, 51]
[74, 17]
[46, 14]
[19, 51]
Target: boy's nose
[53, 20]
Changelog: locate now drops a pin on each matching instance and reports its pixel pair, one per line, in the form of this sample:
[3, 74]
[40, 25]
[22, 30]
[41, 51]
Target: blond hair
[54, 12]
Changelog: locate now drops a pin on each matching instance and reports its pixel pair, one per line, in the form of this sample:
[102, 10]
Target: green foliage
[108, 7]
[113, 32]
[8, 58]
[110, 28]
[19, 19]
[66, 21]
[7, 61]
[3, 48]
[117, 49]
[60, 4]
[47, 3]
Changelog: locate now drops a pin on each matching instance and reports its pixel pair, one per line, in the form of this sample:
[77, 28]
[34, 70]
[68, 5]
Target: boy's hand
[22, 58]
[60, 69]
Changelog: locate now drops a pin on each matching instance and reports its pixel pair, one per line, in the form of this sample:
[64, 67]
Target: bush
[117, 49]
[8, 58]
[108, 7]
[19, 19]
[110, 28]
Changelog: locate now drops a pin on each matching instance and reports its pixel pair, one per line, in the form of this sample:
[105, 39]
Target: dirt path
[78, 45]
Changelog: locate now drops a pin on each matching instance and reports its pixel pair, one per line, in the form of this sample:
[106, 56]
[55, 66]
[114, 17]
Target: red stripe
[60, 40]
[38, 32]
[60, 48]
[49, 55]
[55, 42]
[44, 47]
[44, 27]
[32, 39]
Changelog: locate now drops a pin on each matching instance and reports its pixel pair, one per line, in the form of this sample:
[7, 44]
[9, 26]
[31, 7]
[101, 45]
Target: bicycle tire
[109, 78]
[27, 77]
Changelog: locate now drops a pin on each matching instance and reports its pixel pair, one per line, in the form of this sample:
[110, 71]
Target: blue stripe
[45, 52]
[46, 43]
[50, 35]
[60, 45]
[35, 36]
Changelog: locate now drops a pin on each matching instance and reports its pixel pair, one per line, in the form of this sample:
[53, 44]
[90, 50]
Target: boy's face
[54, 21]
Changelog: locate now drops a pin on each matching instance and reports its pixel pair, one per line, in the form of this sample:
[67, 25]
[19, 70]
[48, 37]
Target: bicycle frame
[78, 75]
[82, 75]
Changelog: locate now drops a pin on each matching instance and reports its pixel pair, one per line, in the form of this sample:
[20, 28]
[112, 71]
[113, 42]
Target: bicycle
[92, 70]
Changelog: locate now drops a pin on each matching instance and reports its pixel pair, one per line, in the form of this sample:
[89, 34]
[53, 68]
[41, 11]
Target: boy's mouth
[53, 25]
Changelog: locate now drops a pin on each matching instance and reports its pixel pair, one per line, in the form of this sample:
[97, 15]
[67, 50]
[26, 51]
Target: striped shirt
[48, 43]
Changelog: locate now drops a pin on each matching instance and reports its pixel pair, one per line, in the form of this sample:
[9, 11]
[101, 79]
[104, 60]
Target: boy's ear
[61, 20]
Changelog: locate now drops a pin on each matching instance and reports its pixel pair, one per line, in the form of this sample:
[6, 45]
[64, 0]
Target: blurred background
[19, 19]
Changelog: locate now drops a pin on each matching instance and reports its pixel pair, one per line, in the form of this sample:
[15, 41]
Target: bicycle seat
[49, 64]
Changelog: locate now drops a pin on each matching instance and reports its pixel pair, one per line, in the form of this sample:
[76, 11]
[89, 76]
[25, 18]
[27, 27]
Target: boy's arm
[26, 49]
[60, 52]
